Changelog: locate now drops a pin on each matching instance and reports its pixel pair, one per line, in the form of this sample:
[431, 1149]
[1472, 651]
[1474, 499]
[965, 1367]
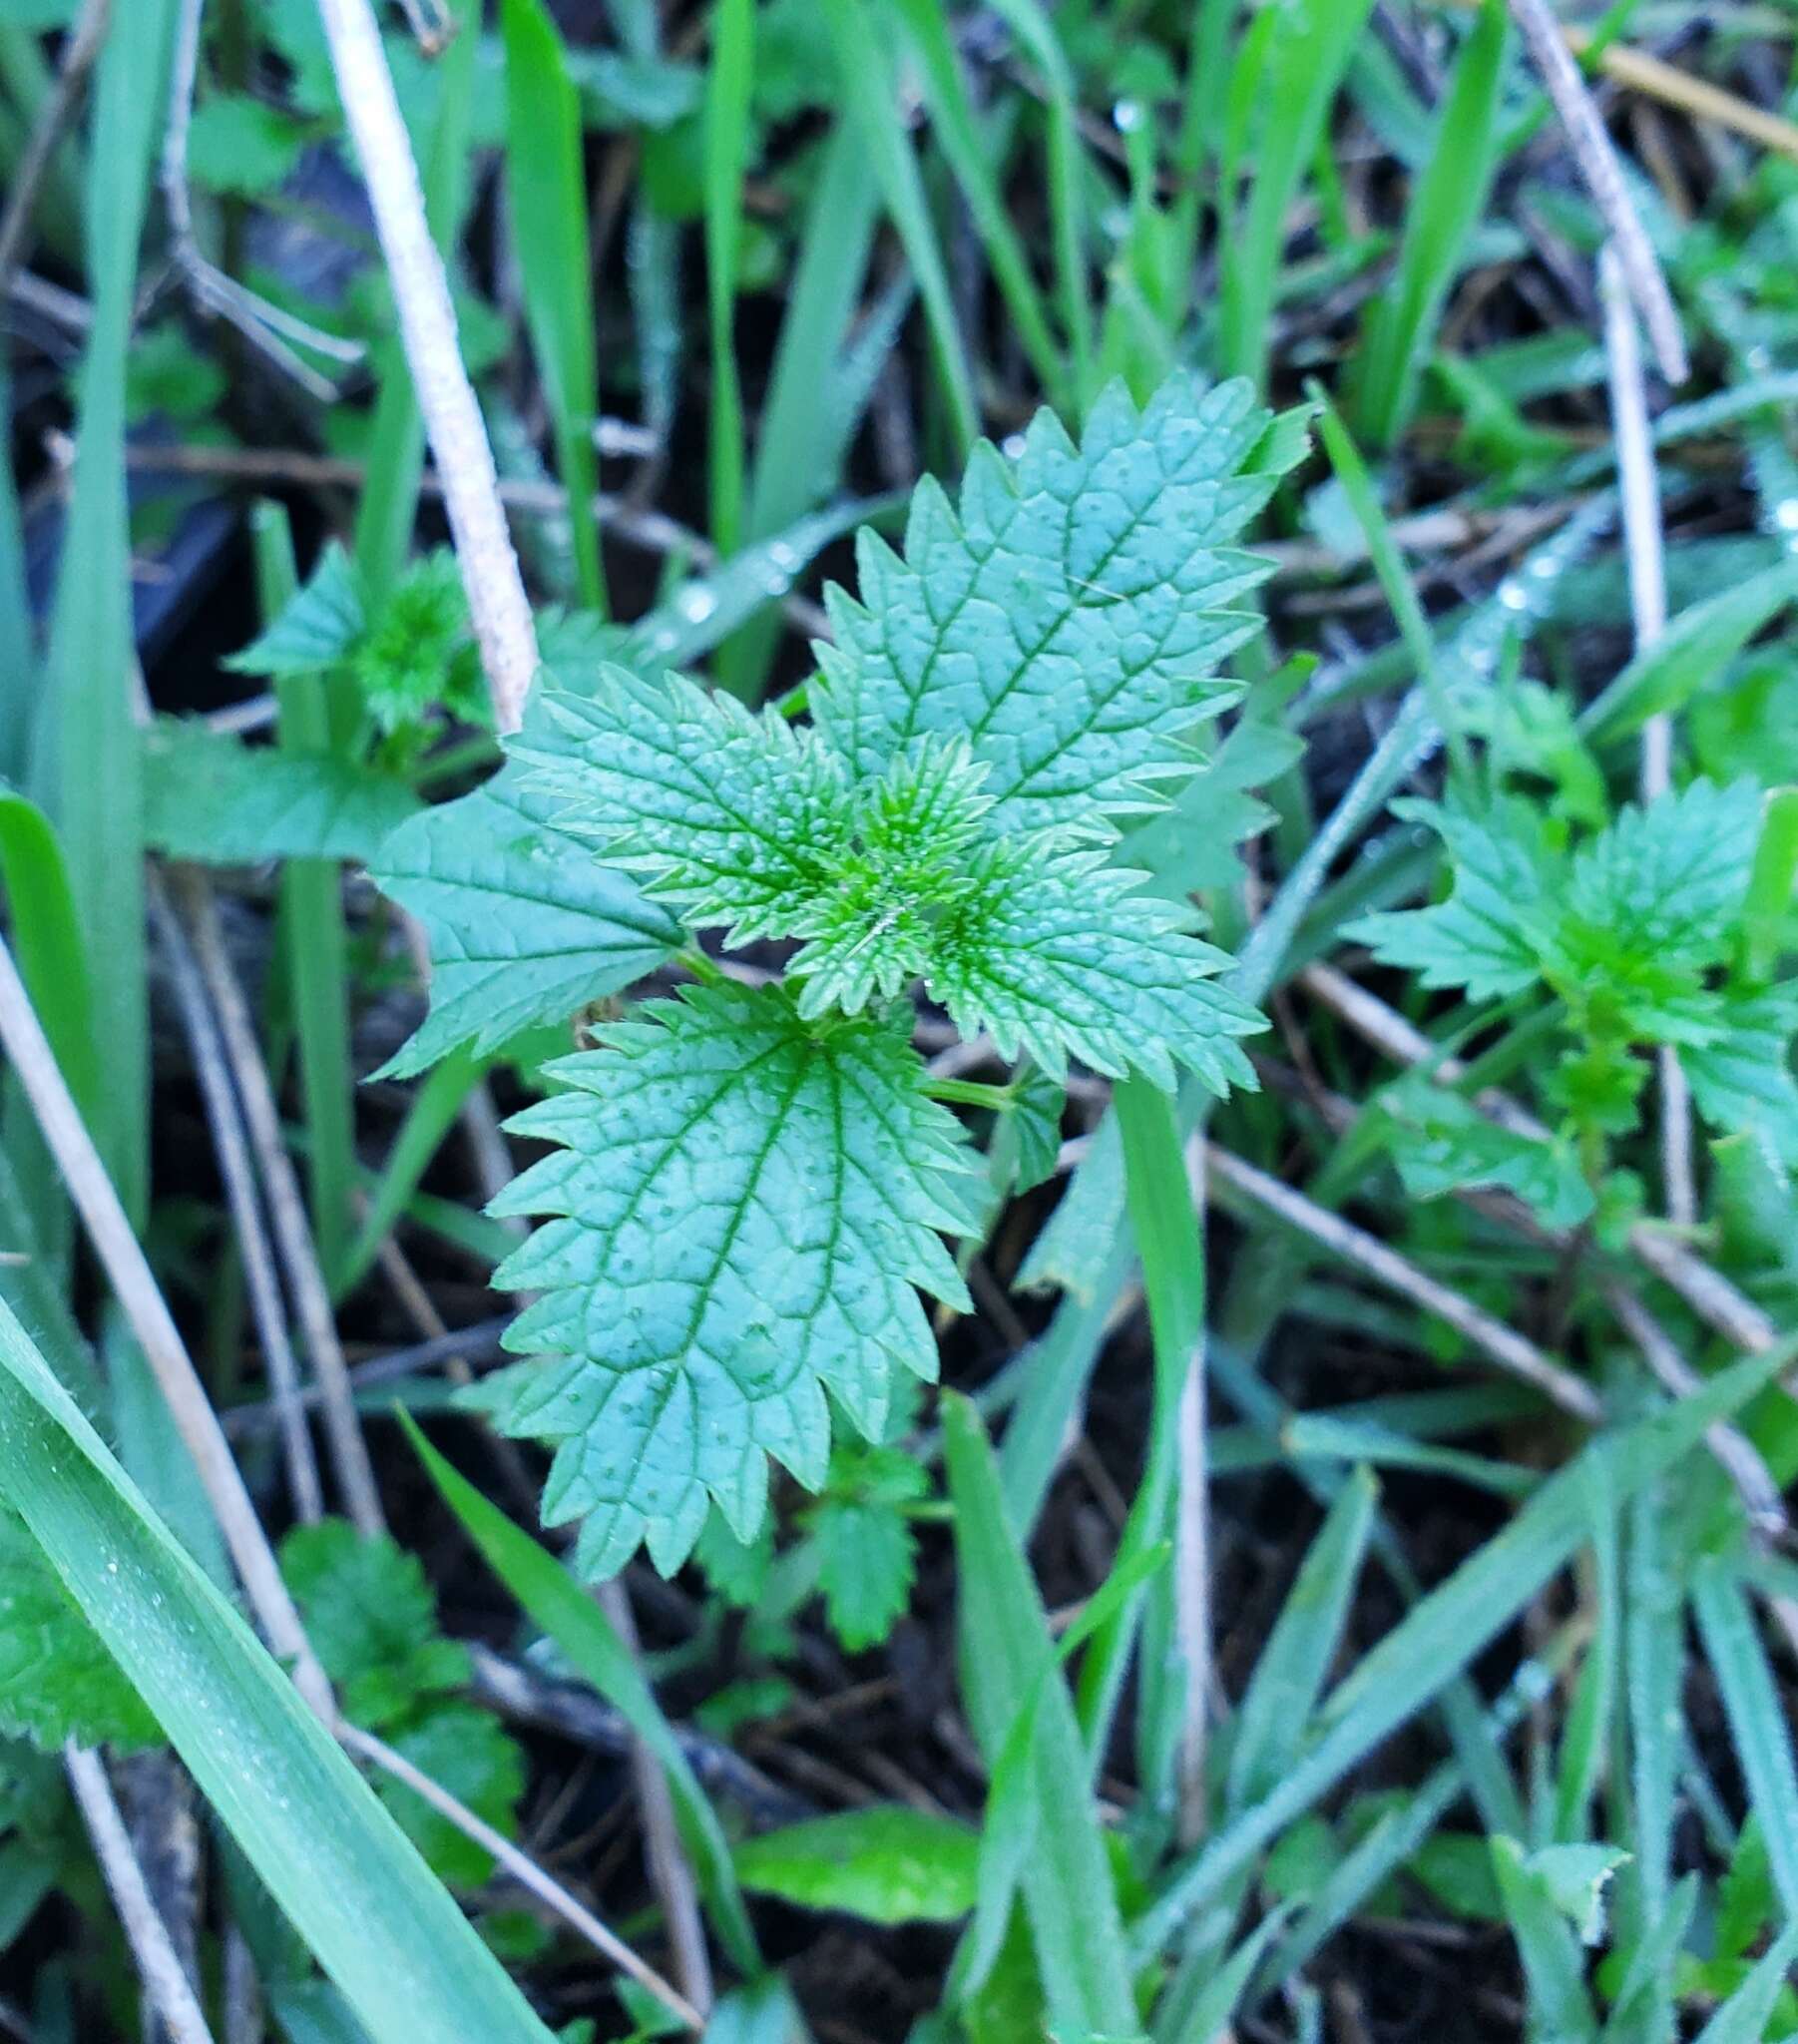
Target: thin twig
[1644, 548]
[260, 323]
[242, 1991]
[523, 1869]
[669, 1870]
[654, 531]
[225, 1120]
[287, 1209]
[161, 1815]
[78, 52]
[166, 1987]
[1707, 1291]
[1367, 1253]
[497, 604]
[525, 1695]
[1698, 97]
[1604, 175]
[23, 1039]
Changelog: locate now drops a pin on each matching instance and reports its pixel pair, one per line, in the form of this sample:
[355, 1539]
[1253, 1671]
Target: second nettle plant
[752, 1182]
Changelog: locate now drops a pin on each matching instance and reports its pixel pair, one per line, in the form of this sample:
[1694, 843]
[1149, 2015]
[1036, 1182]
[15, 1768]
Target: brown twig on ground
[1500, 1344]
[523, 1869]
[79, 53]
[497, 605]
[135, 1286]
[167, 1989]
[287, 1209]
[1604, 175]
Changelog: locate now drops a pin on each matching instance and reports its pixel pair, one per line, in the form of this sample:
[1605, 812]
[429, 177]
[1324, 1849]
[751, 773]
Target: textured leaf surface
[211, 798]
[316, 628]
[372, 1619]
[1442, 1141]
[1487, 937]
[1743, 1080]
[1068, 614]
[57, 1681]
[867, 1551]
[742, 822]
[525, 926]
[743, 1205]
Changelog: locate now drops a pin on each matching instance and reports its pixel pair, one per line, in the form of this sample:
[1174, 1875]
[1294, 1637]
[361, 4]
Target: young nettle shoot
[750, 1185]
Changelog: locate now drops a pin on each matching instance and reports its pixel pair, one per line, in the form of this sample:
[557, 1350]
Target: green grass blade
[1586, 1738]
[1290, 1673]
[1694, 651]
[1445, 204]
[866, 76]
[1547, 1946]
[727, 135]
[1757, 1722]
[1008, 1661]
[548, 208]
[1742, 2019]
[1205, 2018]
[18, 648]
[87, 766]
[566, 1613]
[1170, 1236]
[953, 119]
[46, 936]
[406, 1958]
[1653, 1668]
[1770, 888]
[429, 1118]
[1067, 184]
[1299, 68]
[316, 946]
[1442, 1633]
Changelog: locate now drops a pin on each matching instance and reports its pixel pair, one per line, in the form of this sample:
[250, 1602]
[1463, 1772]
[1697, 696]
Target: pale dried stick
[225, 1120]
[23, 1039]
[78, 56]
[497, 605]
[1639, 482]
[1656, 79]
[1708, 1292]
[523, 1869]
[1604, 175]
[287, 1209]
[1365, 1252]
[167, 1987]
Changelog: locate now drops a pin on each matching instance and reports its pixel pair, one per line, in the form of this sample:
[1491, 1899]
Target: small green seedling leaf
[888, 1864]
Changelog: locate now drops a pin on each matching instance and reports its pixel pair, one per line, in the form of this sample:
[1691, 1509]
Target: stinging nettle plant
[750, 1184]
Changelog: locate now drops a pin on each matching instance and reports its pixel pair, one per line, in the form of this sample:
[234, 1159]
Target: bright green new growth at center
[749, 1187]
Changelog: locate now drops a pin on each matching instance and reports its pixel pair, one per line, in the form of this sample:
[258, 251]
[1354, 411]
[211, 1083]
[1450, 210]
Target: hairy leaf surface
[743, 1204]
[1069, 612]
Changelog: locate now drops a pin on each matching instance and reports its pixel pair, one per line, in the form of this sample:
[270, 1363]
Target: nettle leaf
[744, 1202]
[866, 1548]
[745, 822]
[317, 627]
[1489, 935]
[57, 1681]
[1743, 1080]
[525, 926]
[372, 1618]
[211, 798]
[1441, 1142]
[1068, 612]
[888, 1864]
